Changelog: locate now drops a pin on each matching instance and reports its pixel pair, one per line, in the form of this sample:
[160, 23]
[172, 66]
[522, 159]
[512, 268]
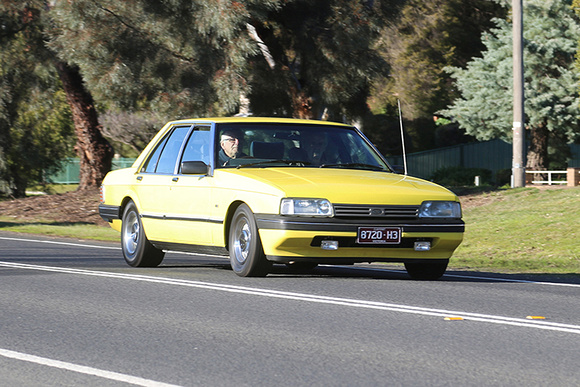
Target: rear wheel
[427, 270]
[246, 254]
[137, 250]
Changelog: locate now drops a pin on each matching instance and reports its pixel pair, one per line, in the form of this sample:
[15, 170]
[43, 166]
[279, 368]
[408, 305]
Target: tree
[551, 33]
[323, 58]
[35, 121]
[33, 24]
[292, 58]
[426, 38]
[94, 151]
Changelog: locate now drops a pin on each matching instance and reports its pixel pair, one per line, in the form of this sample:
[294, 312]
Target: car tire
[427, 270]
[246, 254]
[137, 250]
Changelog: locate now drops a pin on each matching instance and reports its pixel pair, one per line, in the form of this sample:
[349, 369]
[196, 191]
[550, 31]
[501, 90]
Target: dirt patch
[70, 207]
[478, 200]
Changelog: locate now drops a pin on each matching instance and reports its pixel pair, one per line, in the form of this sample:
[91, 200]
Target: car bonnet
[348, 185]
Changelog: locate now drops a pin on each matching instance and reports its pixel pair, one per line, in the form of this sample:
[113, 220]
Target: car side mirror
[194, 168]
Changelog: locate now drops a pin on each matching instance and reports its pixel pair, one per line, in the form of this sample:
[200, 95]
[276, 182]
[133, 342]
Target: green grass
[53, 188]
[70, 230]
[523, 230]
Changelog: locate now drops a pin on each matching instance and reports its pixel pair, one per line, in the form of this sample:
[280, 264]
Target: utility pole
[519, 134]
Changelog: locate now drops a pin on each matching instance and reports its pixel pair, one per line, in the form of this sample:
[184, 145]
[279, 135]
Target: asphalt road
[72, 313]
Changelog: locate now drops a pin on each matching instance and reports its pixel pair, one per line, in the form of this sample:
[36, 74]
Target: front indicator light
[329, 245]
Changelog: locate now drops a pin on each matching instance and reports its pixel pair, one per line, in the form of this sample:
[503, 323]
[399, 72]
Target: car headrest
[267, 150]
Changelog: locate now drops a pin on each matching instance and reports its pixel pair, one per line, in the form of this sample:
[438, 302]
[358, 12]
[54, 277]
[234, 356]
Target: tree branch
[143, 34]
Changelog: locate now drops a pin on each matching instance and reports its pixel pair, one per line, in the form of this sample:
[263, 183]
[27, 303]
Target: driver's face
[230, 145]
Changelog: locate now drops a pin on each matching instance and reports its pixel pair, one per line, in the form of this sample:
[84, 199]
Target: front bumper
[287, 239]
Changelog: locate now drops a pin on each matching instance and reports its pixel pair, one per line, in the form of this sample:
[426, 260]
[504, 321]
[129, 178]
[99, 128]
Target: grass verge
[59, 229]
[526, 230]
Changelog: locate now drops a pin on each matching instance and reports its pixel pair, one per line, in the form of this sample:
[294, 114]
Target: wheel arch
[124, 203]
[228, 220]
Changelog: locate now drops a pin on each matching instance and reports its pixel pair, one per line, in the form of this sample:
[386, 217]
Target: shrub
[460, 176]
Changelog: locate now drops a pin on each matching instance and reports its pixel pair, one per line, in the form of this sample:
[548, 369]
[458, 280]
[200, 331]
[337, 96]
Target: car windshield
[313, 146]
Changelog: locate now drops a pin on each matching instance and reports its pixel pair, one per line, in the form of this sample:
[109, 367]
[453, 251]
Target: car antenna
[402, 137]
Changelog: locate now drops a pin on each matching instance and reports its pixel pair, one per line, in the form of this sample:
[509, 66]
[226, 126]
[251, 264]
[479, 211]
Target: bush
[460, 176]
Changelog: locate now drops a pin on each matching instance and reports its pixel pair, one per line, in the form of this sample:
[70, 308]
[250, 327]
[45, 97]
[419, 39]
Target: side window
[164, 157]
[198, 145]
[151, 164]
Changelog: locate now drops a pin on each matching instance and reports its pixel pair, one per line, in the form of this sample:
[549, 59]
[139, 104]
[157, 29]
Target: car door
[188, 207]
[153, 184]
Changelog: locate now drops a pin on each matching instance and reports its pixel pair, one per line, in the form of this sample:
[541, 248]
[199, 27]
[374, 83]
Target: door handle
[175, 179]
[139, 178]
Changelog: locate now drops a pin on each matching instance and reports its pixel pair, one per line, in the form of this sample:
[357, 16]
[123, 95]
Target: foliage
[35, 121]
[425, 38]
[134, 129]
[42, 136]
[484, 109]
[460, 176]
[196, 58]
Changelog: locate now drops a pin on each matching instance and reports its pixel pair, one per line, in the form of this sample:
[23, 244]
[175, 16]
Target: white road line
[82, 369]
[61, 243]
[520, 322]
[94, 246]
[497, 279]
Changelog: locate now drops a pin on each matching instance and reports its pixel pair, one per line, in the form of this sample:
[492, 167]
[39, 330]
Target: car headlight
[306, 207]
[440, 209]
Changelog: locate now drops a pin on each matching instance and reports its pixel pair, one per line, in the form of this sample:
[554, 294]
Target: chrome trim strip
[187, 218]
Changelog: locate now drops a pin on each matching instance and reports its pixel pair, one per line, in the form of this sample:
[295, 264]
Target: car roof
[258, 120]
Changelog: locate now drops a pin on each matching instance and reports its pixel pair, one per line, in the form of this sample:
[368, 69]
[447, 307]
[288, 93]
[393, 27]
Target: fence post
[573, 177]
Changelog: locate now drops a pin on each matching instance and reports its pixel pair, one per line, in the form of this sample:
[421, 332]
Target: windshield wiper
[297, 163]
[354, 165]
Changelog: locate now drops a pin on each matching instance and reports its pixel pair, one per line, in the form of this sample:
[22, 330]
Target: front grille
[371, 211]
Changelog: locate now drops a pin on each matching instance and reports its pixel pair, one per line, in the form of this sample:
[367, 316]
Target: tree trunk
[538, 152]
[94, 151]
[302, 105]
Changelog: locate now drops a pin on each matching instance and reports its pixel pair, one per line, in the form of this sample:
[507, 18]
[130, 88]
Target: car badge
[376, 211]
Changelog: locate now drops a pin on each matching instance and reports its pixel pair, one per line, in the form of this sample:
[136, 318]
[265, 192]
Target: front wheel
[246, 254]
[137, 250]
[427, 270]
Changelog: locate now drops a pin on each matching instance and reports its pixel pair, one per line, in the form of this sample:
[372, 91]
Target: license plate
[379, 235]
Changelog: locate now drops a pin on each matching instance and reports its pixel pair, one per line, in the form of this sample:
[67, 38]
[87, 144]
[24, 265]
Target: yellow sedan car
[283, 191]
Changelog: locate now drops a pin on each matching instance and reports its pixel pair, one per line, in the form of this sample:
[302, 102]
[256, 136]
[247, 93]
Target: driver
[230, 142]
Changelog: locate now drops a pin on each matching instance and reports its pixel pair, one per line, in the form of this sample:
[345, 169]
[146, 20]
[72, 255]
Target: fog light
[329, 245]
[422, 246]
